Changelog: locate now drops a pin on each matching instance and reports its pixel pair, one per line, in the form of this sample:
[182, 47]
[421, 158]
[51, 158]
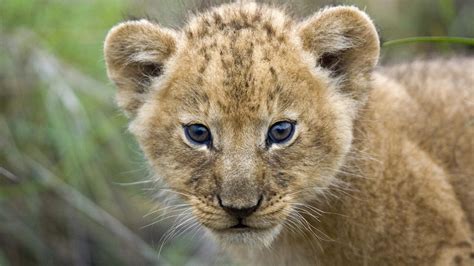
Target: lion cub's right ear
[135, 53]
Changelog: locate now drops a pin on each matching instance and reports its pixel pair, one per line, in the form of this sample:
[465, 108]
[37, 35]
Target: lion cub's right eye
[280, 132]
[198, 134]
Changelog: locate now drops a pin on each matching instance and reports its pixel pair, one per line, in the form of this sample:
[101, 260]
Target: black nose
[240, 212]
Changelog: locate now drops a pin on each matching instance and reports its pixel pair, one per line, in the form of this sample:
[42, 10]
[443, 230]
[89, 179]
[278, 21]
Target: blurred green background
[73, 183]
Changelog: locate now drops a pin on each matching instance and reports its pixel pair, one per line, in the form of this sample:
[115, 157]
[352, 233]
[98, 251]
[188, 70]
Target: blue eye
[198, 134]
[280, 132]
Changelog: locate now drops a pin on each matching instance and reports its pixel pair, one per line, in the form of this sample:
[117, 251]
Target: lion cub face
[244, 113]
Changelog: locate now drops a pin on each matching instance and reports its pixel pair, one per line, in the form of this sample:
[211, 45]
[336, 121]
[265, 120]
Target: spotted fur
[380, 168]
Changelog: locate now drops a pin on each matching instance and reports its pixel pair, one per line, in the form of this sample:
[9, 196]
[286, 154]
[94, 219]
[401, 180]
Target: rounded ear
[135, 53]
[344, 41]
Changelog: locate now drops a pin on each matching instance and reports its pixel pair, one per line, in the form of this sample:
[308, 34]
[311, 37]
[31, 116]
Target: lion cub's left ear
[344, 40]
[135, 53]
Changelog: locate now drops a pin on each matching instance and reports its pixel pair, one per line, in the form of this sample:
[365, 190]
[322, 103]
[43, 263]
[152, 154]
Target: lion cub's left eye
[281, 132]
[198, 134]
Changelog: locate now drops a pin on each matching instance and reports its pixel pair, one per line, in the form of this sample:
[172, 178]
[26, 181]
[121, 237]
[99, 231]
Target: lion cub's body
[379, 170]
[410, 199]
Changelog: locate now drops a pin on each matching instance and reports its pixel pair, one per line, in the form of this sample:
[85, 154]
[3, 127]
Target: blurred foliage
[64, 150]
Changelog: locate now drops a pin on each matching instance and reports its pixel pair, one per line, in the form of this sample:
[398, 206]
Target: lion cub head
[245, 112]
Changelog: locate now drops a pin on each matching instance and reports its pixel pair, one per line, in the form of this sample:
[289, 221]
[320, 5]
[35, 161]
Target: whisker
[177, 192]
[173, 232]
[132, 183]
[164, 239]
[166, 209]
[160, 218]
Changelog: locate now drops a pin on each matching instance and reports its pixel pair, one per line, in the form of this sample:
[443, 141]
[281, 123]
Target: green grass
[73, 30]
[430, 39]
[63, 142]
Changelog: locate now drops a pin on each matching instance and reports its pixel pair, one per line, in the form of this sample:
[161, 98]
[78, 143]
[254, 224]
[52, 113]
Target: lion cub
[290, 147]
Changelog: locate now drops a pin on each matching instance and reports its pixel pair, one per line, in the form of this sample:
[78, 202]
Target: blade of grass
[3, 259]
[435, 39]
[7, 174]
[23, 233]
[89, 208]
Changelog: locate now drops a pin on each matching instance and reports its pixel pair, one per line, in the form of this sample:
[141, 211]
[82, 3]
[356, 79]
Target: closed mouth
[239, 225]
[241, 228]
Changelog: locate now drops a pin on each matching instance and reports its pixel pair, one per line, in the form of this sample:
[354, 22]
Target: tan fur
[380, 169]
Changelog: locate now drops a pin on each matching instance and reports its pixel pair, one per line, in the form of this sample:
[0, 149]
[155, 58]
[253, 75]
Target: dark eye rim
[206, 142]
[270, 138]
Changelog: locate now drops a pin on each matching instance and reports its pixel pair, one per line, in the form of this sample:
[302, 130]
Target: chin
[246, 237]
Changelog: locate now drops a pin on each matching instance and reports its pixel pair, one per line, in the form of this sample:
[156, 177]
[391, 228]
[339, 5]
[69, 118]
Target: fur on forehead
[237, 16]
[240, 53]
[232, 58]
